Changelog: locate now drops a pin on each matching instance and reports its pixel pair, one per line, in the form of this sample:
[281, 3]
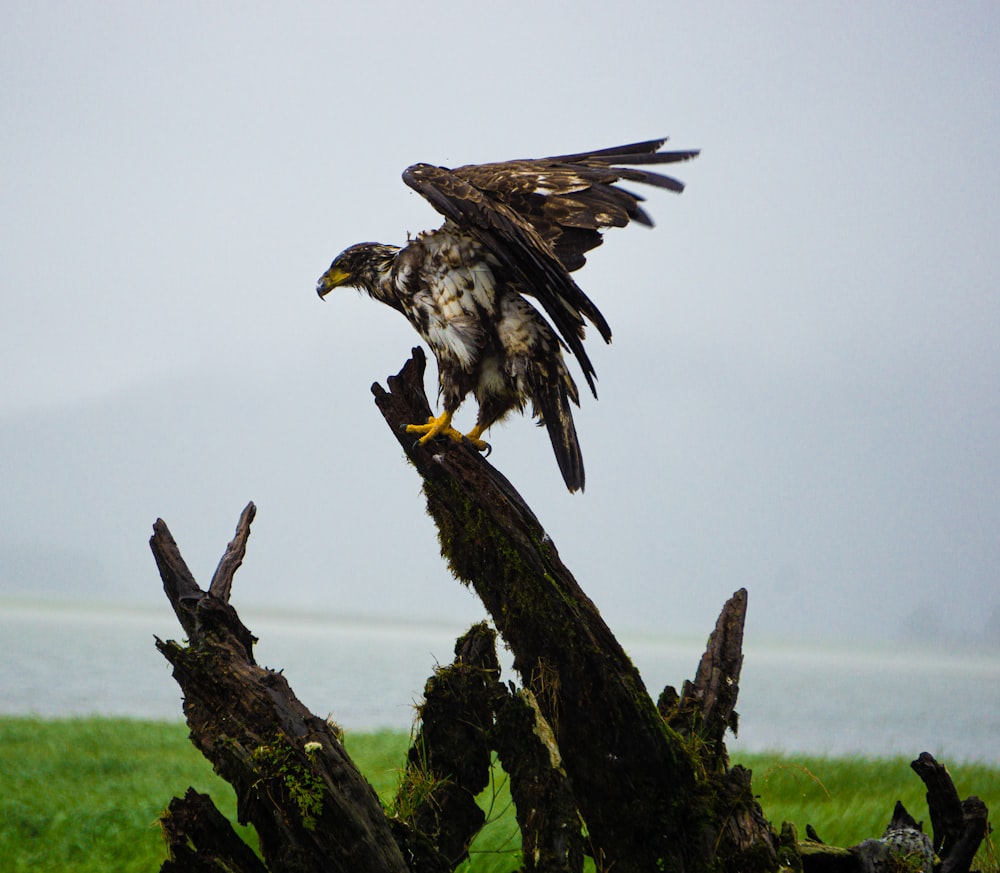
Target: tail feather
[551, 399]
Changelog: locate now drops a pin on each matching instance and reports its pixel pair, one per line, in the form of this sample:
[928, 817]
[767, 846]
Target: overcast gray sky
[802, 393]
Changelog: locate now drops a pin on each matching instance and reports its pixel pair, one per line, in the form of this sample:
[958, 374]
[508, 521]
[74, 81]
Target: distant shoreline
[70, 660]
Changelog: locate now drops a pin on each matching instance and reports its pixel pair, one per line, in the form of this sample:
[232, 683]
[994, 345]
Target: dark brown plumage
[512, 229]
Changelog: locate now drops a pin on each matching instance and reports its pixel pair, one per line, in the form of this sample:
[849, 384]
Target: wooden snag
[294, 782]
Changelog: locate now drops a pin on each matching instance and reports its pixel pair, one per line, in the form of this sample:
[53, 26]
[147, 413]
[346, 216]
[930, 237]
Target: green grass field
[84, 795]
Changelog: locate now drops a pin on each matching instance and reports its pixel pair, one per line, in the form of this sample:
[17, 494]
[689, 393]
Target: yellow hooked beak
[331, 279]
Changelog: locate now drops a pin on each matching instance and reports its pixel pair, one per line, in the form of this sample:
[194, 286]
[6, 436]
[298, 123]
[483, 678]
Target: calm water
[62, 662]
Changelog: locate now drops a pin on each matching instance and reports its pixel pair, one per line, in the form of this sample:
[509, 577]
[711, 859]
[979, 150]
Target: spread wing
[540, 217]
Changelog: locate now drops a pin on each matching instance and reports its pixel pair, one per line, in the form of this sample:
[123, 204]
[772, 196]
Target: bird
[513, 232]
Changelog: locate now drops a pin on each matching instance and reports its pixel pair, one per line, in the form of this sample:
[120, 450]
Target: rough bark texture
[551, 833]
[706, 707]
[449, 761]
[959, 826]
[311, 808]
[594, 766]
[201, 839]
[641, 807]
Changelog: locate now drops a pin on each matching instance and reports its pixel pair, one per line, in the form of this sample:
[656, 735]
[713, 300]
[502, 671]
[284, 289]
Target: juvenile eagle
[511, 230]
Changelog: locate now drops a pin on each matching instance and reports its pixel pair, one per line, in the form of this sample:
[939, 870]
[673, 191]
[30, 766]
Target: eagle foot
[439, 426]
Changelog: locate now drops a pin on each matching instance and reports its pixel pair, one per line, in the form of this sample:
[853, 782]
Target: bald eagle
[512, 230]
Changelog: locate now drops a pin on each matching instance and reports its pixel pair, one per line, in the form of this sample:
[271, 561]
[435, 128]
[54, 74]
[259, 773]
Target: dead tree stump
[595, 767]
[645, 808]
[294, 782]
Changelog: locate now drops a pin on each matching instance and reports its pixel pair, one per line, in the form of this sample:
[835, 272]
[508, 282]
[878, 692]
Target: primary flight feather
[512, 230]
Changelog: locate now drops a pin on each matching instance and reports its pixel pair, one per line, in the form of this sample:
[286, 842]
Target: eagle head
[365, 265]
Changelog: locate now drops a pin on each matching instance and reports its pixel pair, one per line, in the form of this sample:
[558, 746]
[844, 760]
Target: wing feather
[540, 217]
[518, 246]
[636, 148]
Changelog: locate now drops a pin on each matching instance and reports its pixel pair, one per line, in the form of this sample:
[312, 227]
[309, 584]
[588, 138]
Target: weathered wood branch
[706, 707]
[178, 582]
[200, 839]
[311, 808]
[449, 761]
[640, 807]
[222, 580]
[546, 808]
[959, 826]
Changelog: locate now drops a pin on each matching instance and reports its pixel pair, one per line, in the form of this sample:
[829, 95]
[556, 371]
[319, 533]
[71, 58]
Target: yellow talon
[473, 436]
[440, 426]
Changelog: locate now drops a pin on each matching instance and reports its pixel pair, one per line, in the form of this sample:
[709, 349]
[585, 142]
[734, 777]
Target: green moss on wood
[276, 760]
